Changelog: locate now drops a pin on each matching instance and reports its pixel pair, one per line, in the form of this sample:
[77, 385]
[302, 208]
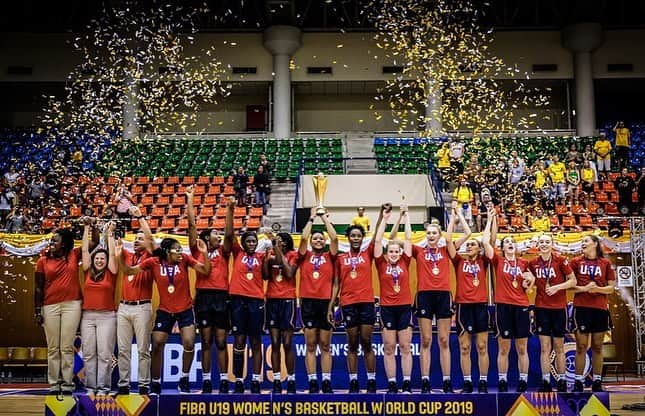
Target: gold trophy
[320, 187]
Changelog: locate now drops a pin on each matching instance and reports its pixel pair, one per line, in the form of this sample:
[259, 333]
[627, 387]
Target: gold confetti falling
[443, 51]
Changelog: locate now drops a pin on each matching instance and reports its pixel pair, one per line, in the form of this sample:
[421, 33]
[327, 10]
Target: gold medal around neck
[476, 282]
[249, 276]
[515, 284]
[353, 274]
[316, 274]
[435, 271]
[278, 278]
[397, 288]
[130, 278]
[171, 289]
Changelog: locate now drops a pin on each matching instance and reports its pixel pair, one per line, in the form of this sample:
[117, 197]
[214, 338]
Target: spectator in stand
[589, 155]
[266, 164]
[515, 172]
[12, 176]
[457, 149]
[262, 186]
[16, 221]
[516, 157]
[640, 186]
[443, 163]
[602, 148]
[7, 202]
[540, 222]
[573, 155]
[463, 196]
[573, 180]
[588, 177]
[123, 198]
[240, 182]
[361, 219]
[622, 144]
[36, 191]
[557, 171]
[625, 185]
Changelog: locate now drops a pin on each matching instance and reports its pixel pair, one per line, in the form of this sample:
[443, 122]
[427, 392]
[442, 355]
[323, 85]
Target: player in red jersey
[512, 282]
[246, 289]
[279, 270]
[98, 322]
[396, 300]
[134, 317]
[169, 267]
[316, 276]
[434, 300]
[553, 276]
[471, 297]
[211, 300]
[595, 281]
[353, 280]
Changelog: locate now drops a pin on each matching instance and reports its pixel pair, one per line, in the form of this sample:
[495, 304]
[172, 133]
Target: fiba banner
[509, 404]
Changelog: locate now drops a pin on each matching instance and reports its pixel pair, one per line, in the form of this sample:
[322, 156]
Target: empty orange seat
[239, 212]
[182, 224]
[202, 223]
[237, 223]
[209, 200]
[253, 223]
[206, 212]
[199, 190]
[517, 222]
[585, 221]
[142, 180]
[145, 200]
[75, 211]
[159, 180]
[112, 180]
[158, 212]
[560, 209]
[634, 196]
[153, 223]
[47, 224]
[218, 180]
[163, 200]
[219, 224]
[568, 221]
[168, 190]
[613, 176]
[602, 223]
[608, 186]
[203, 180]
[197, 200]
[602, 197]
[152, 190]
[255, 212]
[173, 212]
[611, 209]
[555, 220]
[228, 190]
[221, 212]
[178, 201]
[188, 180]
[502, 222]
[167, 224]
[136, 189]
[172, 180]
[577, 209]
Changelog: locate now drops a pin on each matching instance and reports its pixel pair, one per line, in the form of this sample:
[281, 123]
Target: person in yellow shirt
[540, 175]
[540, 221]
[602, 148]
[557, 171]
[588, 177]
[361, 219]
[463, 196]
[622, 144]
[443, 164]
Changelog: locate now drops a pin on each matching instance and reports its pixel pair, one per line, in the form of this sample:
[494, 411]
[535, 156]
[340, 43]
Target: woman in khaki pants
[58, 307]
[98, 325]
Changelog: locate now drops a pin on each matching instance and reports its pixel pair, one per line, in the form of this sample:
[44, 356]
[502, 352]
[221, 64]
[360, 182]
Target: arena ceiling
[318, 15]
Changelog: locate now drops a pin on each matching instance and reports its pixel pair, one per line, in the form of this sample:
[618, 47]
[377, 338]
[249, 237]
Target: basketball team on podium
[240, 304]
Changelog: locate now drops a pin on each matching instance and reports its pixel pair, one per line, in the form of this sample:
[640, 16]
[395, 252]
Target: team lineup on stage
[248, 287]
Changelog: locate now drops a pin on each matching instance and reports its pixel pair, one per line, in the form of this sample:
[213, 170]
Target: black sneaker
[277, 387]
[545, 387]
[447, 386]
[596, 387]
[291, 386]
[482, 387]
[407, 387]
[578, 387]
[562, 385]
[313, 386]
[255, 387]
[155, 388]
[371, 386]
[468, 387]
[326, 387]
[502, 386]
[184, 385]
[353, 386]
[123, 391]
[143, 391]
[207, 387]
[425, 385]
[224, 386]
[522, 386]
[391, 387]
[239, 387]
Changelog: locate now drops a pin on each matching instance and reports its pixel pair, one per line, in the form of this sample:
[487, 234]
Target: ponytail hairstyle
[164, 248]
[595, 239]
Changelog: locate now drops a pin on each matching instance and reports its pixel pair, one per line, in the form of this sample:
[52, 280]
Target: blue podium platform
[341, 404]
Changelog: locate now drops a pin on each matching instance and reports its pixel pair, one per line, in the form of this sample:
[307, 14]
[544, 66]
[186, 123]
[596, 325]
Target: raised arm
[378, 238]
[467, 231]
[145, 227]
[85, 247]
[113, 264]
[384, 207]
[407, 243]
[450, 246]
[331, 232]
[306, 233]
[491, 227]
[125, 268]
[229, 236]
[190, 208]
[395, 228]
[205, 267]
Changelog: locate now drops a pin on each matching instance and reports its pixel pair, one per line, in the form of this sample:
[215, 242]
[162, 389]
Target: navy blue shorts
[396, 318]
[433, 303]
[166, 320]
[358, 314]
[281, 314]
[513, 321]
[551, 322]
[314, 314]
[211, 309]
[591, 320]
[472, 318]
[247, 316]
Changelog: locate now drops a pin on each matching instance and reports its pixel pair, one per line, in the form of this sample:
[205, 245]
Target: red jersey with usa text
[217, 279]
[138, 286]
[316, 287]
[163, 273]
[392, 275]
[552, 272]
[472, 282]
[507, 271]
[279, 287]
[430, 259]
[243, 264]
[598, 270]
[355, 273]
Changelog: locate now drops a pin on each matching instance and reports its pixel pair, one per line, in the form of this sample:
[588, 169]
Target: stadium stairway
[282, 194]
[360, 146]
